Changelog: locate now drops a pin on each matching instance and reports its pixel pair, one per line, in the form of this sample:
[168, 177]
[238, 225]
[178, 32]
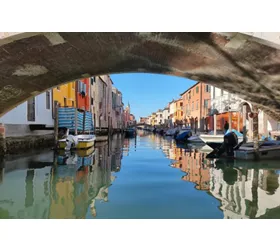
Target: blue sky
[146, 93]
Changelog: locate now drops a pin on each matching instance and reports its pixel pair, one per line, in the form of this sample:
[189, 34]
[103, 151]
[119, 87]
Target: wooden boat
[77, 142]
[269, 150]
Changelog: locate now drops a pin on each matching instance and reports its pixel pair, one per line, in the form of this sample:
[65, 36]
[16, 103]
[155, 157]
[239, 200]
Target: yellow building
[65, 94]
[153, 120]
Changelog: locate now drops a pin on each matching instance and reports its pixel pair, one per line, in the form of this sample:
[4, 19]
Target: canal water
[144, 177]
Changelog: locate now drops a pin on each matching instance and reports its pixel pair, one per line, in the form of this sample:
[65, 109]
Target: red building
[83, 94]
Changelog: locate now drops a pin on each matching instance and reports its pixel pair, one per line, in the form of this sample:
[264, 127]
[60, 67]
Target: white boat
[267, 151]
[219, 138]
[77, 142]
[195, 139]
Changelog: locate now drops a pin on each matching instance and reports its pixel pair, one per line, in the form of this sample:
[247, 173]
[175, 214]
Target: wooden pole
[215, 124]
[76, 121]
[84, 121]
[256, 132]
[244, 114]
[55, 124]
[238, 122]
[230, 120]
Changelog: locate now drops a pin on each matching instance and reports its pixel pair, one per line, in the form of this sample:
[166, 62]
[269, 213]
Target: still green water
[144, 177]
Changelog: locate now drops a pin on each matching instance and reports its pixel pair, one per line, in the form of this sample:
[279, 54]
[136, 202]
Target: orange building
[179, 114]
[192, 163]
[83, 94]
[196, 105]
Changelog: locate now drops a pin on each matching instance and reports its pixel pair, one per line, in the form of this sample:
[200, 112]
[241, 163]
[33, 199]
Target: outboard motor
[230, 141]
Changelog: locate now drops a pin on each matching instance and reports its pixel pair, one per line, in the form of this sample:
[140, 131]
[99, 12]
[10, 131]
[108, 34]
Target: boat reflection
[71, 185]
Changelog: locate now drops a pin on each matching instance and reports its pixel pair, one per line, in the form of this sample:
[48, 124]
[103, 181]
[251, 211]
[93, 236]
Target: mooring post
[230, 121]
[76, 121]
[256, 132]
[55, 124]
[3, 146]
[244, 116]
[215, 124]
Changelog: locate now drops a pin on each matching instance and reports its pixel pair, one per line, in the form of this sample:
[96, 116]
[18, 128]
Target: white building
[26, 118]
[165, 115]
[159, 117]
[223, 101]
[172, 111]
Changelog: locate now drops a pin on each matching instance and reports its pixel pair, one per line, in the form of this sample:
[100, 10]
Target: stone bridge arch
[31, 63]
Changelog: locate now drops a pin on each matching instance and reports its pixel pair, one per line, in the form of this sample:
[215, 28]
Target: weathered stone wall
[236, 62]
[16, 145]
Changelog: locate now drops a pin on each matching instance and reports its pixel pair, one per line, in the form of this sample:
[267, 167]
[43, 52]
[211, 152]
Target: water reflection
[48, 185]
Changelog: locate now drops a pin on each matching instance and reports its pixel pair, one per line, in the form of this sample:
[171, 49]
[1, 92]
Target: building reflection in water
[66, 188]
[244, 189]
[71, 185]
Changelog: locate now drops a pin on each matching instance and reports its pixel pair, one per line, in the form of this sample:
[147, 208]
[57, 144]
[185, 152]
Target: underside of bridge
[31, 63]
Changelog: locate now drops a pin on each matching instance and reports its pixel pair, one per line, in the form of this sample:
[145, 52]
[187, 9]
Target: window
[73, 85]
[181, 104]
[92, 80]
[48, 100]
[189, 95]
[207, 88]
[197, 104]
[73, 104]
[181, 113]
[65, 102]
[192, 106]
[197, 89]
[91, 101]
[58, 87]
[214, 90]
[205, 103]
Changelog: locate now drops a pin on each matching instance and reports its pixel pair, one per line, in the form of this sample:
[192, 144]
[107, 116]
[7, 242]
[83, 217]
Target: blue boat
[130, 132]
[183, 135]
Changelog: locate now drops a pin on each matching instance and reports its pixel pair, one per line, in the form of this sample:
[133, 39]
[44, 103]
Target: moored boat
[183, 135]
[195, 139]
[268, 150]
[215, 141]
[77, 142]
[129, 132]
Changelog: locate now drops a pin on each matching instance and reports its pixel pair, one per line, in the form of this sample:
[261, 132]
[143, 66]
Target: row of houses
[96, 95]
[197, 106]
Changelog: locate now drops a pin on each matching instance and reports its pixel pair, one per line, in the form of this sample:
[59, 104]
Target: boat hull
[215, 138]
[83, 143]
[267, 153]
